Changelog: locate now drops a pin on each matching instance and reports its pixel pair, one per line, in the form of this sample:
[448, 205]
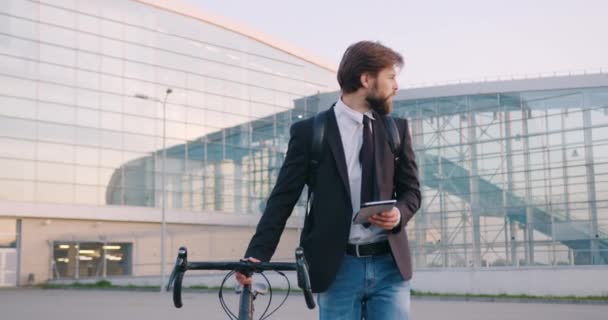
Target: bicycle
[248, 294]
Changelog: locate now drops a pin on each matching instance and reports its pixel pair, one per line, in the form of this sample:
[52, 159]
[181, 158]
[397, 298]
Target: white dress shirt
[350, 125]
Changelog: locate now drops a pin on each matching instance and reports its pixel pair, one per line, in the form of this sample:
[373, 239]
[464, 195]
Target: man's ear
[365, 80]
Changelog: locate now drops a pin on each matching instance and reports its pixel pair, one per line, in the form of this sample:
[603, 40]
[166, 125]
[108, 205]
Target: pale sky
[440, 40]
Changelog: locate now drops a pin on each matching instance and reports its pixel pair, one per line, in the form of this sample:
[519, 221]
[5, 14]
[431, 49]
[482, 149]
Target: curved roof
[195, 12]
[580, 81]
[504, 86]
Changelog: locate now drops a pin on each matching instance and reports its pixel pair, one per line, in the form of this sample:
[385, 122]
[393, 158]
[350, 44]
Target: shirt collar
[342, 110]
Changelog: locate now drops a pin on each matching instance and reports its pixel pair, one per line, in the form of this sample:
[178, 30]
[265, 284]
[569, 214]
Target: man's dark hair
[362, 57]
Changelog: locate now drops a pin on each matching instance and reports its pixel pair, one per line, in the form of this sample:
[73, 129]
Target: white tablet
[369, 209]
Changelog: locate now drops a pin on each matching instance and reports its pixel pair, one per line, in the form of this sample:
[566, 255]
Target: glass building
[83, 122]
[514, 173]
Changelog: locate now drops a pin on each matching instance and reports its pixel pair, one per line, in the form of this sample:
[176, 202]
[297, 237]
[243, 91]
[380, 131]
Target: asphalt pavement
[56, 304]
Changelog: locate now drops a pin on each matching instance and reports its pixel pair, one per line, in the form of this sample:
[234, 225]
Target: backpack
[318, 135]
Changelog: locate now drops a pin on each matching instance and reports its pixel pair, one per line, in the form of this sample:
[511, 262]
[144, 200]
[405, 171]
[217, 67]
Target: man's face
[384, 87]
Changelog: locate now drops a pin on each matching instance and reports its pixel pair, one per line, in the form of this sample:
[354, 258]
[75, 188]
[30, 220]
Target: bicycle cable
[229, 313]
[270, 290]
[264, 315]
[227, 310]
[269, 296]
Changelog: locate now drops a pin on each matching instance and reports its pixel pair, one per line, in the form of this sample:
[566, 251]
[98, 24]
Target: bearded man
[359, 270]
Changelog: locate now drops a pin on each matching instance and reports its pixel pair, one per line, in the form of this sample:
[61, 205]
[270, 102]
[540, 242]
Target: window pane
[90, 260]
[87, 156]
[55, 152]
[10, 127]
[56, 113]
[87, 117]
[111, 139]
[10, 86]
[88, 136]
[111, 121]
[56, 16]
[16, 169]
[54, 172]
[88, 195]
[56, 74]
[87, 175]
[21, 108]
[54, 192]
[118, 259]
[8, 233]
[56, 133]
[12, 190]
[56, 93]
[54, 54]
[65, 263]
[17, 149]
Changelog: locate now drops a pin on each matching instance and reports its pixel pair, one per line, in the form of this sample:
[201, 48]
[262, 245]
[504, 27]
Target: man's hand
[243, 279]
[386, 220]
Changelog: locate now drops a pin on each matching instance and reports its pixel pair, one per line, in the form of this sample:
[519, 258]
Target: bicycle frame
[246, 303]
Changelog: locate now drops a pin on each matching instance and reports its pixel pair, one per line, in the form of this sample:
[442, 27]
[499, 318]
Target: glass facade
[511, 179]
[74, 128]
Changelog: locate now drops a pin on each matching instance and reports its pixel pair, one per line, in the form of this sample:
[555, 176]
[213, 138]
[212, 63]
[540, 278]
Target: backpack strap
[318, 135]
[394, 140]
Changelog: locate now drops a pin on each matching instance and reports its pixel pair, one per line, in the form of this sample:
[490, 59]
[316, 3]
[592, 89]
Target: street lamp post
[163, 225]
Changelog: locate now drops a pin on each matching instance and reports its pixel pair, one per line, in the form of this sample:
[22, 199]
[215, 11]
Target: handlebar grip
[181, 265]
[310, 300]
[303, 278]
[177, 290]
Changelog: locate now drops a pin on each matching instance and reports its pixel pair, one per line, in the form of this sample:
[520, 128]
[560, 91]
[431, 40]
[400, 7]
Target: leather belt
[368, 249]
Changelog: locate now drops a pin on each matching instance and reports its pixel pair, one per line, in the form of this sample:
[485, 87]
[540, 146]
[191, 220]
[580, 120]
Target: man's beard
[382, 105]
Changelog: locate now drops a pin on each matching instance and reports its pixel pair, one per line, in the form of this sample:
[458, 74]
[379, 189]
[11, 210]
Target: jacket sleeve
[286, 192]
[407, 185]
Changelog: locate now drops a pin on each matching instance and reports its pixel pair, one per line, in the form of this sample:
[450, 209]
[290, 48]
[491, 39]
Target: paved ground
[33, 304]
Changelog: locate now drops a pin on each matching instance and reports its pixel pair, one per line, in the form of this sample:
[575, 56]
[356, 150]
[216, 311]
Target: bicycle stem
[246, 304]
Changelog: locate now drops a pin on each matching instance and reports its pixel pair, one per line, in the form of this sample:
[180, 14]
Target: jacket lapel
[335, 144]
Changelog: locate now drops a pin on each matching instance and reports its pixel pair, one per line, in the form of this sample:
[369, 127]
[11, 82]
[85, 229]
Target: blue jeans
[368, 288]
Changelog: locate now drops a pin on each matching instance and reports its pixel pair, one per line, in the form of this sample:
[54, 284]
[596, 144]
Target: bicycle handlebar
[242, 266]
[182, 265]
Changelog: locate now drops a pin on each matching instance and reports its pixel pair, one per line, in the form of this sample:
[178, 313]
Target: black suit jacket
[325, 235]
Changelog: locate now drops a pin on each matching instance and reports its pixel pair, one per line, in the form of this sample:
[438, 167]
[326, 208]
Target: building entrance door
[8, 252]
[8, 267]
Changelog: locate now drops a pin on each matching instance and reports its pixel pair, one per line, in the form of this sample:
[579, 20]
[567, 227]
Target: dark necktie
[366, 157]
